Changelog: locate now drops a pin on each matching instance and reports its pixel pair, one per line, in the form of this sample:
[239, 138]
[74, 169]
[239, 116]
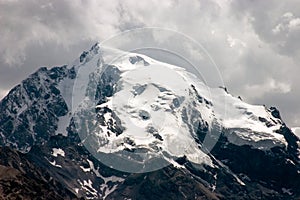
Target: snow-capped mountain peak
[109, 109]
[162, 109]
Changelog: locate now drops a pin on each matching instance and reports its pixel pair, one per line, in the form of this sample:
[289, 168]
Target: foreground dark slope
[32, 165]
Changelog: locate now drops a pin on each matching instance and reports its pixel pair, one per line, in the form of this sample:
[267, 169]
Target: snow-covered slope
[162, 109]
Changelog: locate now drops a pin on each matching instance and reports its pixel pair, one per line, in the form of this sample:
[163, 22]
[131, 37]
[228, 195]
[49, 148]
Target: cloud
[269, 86]
[249, 40]
[276, 23]
[289, 23]
[59, 21]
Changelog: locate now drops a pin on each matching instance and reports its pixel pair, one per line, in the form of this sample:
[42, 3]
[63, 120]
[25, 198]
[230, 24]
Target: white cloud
[288, 15]
[294, 23]
[61, 22]
[269, 86]
[235, 41]
[288, 24]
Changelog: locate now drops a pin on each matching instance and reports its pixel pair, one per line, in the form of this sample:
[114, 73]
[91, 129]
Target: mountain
[118, 125]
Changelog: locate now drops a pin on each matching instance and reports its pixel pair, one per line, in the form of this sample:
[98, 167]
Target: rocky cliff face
[48, 153]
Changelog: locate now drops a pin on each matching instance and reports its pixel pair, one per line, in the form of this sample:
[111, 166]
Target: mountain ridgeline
[59, 127]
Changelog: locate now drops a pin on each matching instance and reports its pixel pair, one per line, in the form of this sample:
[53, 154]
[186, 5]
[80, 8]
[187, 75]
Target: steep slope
[189, 140]
[24, 181]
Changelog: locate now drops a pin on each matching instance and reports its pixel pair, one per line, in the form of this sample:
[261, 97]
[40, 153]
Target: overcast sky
[255, 43]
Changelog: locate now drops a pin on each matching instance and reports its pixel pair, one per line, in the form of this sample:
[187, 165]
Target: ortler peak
[122, 125]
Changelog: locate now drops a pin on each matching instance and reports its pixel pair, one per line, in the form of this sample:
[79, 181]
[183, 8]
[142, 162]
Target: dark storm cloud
[254, 43]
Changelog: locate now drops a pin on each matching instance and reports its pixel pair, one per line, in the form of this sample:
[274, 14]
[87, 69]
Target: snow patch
[92, 167]
[54, 164]
[85, 169]
[57, 152]
[76, 190]
[287, 191]
[87, 185]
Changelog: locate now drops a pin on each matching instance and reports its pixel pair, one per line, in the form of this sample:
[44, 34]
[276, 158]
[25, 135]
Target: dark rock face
[29, 113]
[273, 170]
[105, 83]
[275, 112]
[21, 179]
[39, 174]
[168, 183]
[137, 59]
